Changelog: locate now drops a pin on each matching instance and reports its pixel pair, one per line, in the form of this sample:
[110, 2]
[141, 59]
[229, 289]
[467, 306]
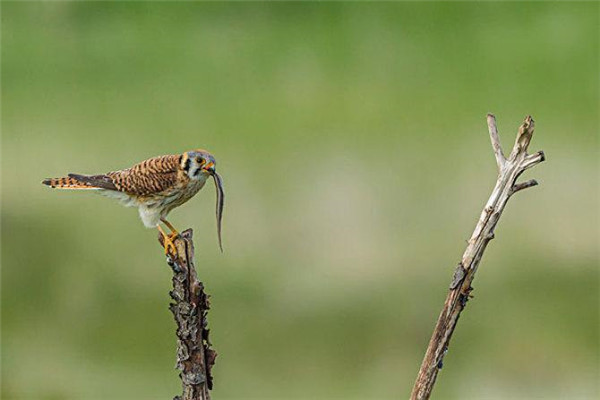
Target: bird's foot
[169, 242]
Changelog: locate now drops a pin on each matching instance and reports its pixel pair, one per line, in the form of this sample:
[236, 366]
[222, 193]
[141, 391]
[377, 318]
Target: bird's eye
[200, 160]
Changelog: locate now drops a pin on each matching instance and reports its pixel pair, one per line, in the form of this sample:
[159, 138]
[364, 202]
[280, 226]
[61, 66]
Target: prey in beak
[220, 199]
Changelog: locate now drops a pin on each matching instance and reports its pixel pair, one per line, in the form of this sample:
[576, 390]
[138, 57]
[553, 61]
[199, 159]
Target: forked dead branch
[190, 306]
[509, 170]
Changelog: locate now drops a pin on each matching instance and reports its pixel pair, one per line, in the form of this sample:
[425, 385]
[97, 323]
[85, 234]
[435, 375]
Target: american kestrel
[155, 187]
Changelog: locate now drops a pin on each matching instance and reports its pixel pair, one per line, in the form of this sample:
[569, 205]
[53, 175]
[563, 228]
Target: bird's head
[198, 164]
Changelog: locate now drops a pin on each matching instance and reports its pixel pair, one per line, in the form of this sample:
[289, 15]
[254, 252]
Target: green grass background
[353, 145]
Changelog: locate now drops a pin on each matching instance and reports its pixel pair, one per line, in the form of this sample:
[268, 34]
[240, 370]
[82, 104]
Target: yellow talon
[168, 240]
[171, 227]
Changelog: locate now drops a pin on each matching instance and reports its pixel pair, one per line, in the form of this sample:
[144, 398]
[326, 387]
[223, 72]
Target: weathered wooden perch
[460, 288]
[190, 307]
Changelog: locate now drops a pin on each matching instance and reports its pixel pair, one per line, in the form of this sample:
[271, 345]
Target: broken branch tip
[542, 155]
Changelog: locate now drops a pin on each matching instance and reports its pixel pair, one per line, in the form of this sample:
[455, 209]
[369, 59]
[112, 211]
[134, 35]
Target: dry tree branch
[508, 172]
[195, 357]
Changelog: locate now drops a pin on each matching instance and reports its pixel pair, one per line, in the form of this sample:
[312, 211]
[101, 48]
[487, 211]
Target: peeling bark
[190, 306]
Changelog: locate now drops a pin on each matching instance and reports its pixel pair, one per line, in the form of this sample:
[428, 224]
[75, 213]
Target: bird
[155, 186]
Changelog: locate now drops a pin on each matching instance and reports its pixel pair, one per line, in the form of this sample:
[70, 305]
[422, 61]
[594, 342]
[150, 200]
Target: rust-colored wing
[149, 177]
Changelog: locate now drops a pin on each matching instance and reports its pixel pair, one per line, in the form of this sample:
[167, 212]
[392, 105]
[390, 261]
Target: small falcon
[155, 187]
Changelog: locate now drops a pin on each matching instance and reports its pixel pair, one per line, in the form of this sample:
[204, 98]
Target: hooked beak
[209, 167]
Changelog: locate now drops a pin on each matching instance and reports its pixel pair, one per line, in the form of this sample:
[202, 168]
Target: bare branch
[195, 357]
[523, 185]
[500, 159]
[460, 288]
[532, 160]
[523, 138]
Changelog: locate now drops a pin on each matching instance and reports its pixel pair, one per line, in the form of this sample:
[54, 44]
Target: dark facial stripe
[187, 165]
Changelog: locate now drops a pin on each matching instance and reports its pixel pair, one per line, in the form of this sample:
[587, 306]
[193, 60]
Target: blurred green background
[354, 149]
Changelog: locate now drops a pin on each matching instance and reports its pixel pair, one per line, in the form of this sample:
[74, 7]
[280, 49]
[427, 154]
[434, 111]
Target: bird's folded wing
[151, 176]
[95, 181]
